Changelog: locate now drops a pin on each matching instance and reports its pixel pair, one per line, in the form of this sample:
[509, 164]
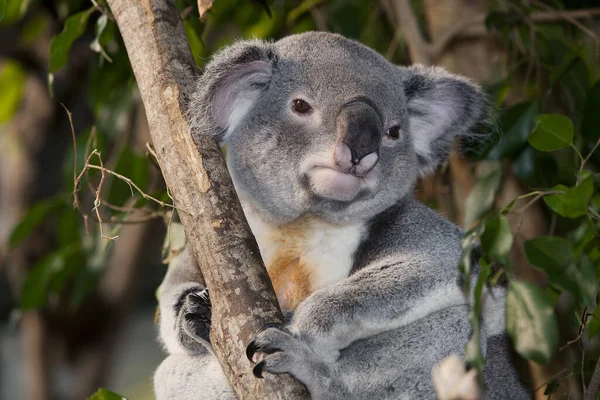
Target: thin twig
[584, 319]
[569, 17]
[555, 376]
[585, 160]
[425, 52]
[97, 200]
[131, 185]
[536, 198]
[75, 180]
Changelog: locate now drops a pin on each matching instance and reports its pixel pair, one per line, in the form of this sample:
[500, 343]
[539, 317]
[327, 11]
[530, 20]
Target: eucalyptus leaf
[12, 84]
[549, 253]
[2, 9]
[481, 199]
[593, 325]
[555, 256]
[552, 132]
[516, 124]
[530, 322]
[34, 292]
[105, 394]
[497, 238]
[573, 202]
[32, 219]
[60, 45]
[473, 353]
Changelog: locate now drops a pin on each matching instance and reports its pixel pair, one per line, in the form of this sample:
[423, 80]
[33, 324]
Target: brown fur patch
[289, 274]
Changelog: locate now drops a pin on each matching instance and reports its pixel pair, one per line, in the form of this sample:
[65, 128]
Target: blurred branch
[195, 172]
[591, 392]
[424, 52]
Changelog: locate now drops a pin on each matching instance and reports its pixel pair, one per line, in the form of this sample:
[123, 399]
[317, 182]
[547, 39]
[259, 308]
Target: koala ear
[441, 107]
[230, 85]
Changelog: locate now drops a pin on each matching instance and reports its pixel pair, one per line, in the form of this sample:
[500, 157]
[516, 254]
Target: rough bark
[195, 173]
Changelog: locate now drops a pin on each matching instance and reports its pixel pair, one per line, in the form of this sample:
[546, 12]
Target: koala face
[318, 124]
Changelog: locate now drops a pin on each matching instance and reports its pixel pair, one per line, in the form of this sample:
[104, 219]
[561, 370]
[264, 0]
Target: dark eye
[301, 107]
[393, 132]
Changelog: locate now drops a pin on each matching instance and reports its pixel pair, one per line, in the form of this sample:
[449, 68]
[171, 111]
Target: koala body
[325, 141]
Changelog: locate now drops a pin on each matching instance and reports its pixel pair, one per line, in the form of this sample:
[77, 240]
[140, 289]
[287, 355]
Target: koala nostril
[367, 163]
[343, 156]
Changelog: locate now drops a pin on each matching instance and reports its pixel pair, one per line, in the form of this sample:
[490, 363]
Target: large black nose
[359, 130]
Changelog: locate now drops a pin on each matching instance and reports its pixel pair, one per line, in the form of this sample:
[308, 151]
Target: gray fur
[377, 333]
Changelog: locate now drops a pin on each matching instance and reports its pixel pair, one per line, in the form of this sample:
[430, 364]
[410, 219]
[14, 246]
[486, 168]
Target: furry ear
[441, 107]
[230, 85]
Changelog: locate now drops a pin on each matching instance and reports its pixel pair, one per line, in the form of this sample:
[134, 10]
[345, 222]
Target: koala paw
[193, 320]
[278, 350]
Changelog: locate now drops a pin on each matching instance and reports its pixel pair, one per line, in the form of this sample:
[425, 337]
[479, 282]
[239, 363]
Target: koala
[325, 142]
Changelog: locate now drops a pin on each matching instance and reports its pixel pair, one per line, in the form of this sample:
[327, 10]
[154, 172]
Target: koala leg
[191, 377]
[191, 371]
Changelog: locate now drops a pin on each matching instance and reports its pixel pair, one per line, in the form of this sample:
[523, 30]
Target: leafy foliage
[549, 102]
[12, 81]
[105, 394]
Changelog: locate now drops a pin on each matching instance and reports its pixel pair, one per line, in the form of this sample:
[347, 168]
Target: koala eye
[301, 107]
[393, 132]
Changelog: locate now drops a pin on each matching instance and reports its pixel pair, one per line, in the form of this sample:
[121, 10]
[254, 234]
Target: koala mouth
[335, 185]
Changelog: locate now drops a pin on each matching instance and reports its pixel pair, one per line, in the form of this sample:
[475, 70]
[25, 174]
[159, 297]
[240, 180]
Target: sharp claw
[258, 369]
[251, 349]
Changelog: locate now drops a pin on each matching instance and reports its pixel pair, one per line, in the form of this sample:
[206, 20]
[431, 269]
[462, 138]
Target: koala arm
[184, 306]
[409, 271]
[378, 298]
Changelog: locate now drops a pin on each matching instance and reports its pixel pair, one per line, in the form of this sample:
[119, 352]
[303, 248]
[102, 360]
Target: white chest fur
[305, 255]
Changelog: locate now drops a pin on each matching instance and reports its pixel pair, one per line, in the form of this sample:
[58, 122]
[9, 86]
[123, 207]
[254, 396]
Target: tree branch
[241, 292]
[593, 388]
[423, 52]
[418, 47]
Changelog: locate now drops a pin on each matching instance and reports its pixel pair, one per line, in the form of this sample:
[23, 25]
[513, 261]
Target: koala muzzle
[359, 130]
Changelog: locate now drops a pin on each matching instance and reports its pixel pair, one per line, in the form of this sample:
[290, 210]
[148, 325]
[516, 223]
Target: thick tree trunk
[196, 175]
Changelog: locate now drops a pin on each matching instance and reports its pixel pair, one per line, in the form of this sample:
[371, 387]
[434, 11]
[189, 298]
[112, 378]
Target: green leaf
[588, 280]
[12, 83]
[552, 132]
[105, 394]
[530, 322]
[481, 199]
[60, 45]
[34, 217]
[2, 9]
[593, 325]
[555, 256]
[473, 353]
[549, 253]
[32, 29]
[516, 125]
[13, 10]
[574, 202]
[497, 238]
[34, 292]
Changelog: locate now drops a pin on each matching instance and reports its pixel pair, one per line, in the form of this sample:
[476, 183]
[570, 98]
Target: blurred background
[77, 304]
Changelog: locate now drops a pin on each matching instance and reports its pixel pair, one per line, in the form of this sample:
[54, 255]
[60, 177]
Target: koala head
[319, 124]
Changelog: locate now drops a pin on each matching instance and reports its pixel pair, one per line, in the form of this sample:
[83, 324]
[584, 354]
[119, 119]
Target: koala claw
[258, 369]
[194, 318]
[253, 347]
[278, 350]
